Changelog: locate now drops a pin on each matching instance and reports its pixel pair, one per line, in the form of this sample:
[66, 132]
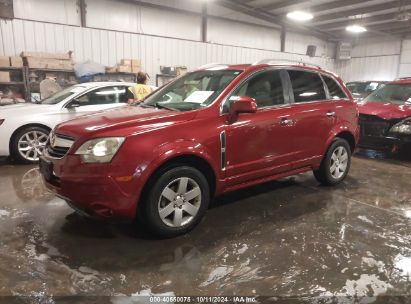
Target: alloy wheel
[339, 162]
[32, 144]
[179, 202]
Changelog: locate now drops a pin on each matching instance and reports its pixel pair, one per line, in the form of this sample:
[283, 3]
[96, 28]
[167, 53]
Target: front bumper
[385, 143]
[98, 190]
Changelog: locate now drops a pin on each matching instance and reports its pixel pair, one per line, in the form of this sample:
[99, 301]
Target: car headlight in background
[100, 150]
[403, 127]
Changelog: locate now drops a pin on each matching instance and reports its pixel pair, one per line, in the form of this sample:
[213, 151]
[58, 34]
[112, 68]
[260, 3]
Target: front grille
[374, 126]
[59, 145]
[57, 152]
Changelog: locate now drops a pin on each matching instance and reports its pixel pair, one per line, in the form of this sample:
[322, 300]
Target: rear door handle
[330, 114]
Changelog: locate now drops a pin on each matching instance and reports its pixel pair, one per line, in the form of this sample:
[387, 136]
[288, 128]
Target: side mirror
[75, 103]
[242, 104]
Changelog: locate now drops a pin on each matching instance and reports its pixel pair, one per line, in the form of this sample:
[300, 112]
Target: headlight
[100, 150]
[403, 127]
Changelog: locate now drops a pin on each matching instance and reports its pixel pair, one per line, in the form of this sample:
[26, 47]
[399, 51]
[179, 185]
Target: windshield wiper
[160, 106]
[156, 105]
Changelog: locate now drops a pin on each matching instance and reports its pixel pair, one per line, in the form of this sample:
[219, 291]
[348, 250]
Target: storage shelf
[12, 83]
[50, 70]
[10, 68]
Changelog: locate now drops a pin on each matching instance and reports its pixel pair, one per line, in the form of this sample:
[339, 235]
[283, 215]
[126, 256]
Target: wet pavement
[290, 238]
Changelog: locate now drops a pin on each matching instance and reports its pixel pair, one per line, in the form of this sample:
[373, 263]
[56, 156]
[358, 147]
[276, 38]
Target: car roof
[103, 84]
[367, 81]
[256, 66]
[405, 80]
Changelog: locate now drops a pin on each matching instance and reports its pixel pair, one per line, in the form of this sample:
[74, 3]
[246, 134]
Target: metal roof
[331, 17]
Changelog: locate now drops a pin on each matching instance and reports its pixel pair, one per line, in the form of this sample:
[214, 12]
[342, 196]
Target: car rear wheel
[28, 144]
[336, 163]
[176, 202]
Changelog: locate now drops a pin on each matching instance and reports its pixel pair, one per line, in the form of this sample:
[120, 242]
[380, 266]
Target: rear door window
[306, 86]
[106, 95]
[335, 90]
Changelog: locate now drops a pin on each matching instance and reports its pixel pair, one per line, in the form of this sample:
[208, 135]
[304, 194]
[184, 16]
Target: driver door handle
[285, 121]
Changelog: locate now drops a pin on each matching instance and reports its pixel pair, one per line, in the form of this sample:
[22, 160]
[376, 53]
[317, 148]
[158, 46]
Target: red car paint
[259, 148]
[385, 111]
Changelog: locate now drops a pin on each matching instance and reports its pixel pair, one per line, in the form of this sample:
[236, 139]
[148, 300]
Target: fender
[177, 148]
[339, 128]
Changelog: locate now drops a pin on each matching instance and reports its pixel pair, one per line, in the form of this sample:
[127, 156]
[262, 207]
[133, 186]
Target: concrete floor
[287, 238]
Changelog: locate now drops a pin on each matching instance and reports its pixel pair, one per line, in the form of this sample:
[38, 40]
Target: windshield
[60, 96]
[391, 93]
[362, 89]
[193, 91]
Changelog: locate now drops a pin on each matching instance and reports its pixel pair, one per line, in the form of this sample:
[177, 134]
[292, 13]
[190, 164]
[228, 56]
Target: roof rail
[285, 61]
[211, 65]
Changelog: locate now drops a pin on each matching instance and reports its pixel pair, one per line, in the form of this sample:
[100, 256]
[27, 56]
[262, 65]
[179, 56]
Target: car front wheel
[336, 163]
[176, 201]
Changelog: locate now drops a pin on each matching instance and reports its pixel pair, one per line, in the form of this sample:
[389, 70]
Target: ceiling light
[300, 16]
[355, 28]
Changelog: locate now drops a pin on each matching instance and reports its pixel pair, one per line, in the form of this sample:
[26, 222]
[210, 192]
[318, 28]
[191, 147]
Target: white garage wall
[405, 59]
[60, 11]
[126, 17]
[109, 47]
[373, 59]
[117, 30]
[235, 33]
[297, 43]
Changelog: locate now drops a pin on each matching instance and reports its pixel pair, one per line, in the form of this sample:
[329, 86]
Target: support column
[204, 22]
[82, 6]
[283, 36]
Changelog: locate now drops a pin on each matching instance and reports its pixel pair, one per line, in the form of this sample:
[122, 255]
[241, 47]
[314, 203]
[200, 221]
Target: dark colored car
[385, 117]
[361, 89]
[209, 132]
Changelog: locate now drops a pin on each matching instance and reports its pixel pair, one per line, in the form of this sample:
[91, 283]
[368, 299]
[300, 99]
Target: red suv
[215, 130]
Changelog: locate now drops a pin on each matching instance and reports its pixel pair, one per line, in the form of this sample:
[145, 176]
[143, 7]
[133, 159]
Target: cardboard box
[124, 69]
[44, 63]
[16, 61]
[111, 69]
[4, 76]
[135, 69]
[4, 61]
[135, 63]
[181, 70]
[126, 62]
[60, 56]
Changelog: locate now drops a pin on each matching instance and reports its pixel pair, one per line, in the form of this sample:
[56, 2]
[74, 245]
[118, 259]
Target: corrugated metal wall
[118, 30]
[109, 47]
[373, 59]
[405, 59]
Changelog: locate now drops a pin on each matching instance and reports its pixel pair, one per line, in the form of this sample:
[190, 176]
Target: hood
[23, 109]
[122, 121]
[385, 111]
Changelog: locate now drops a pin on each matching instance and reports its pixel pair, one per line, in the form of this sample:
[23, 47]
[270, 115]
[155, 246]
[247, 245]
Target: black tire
[150, 213]
[323, 174]
[14, 149]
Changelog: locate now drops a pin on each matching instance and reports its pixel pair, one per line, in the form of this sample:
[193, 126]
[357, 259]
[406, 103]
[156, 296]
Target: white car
[24, 128]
